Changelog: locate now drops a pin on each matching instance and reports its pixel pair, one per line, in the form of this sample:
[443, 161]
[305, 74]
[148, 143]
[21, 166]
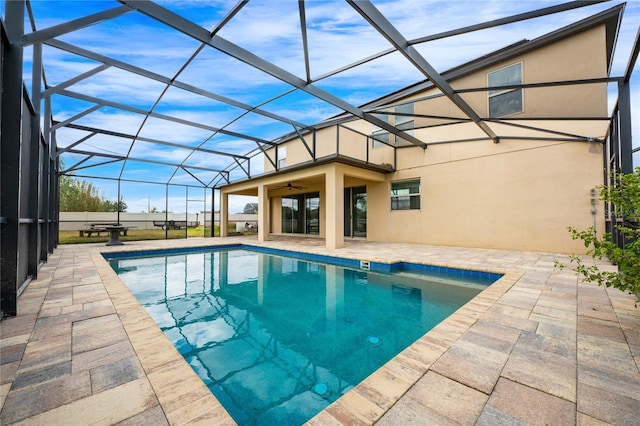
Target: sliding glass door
[301, 213]
[355, 211]
[312, 213]
[291, 214]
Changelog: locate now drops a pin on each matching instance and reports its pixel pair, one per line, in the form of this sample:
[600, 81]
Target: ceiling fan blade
[289, 186]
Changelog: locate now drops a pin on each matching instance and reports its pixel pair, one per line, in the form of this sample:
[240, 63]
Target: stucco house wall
[518, 194]
[520, 199]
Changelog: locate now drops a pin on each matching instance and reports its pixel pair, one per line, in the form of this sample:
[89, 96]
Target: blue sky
[270, 29]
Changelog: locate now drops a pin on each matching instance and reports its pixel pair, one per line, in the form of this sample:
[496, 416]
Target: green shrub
[625, 196]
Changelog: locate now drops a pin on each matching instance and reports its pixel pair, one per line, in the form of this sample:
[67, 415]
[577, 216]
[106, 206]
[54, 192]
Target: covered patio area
[536, 347]
[320, 204]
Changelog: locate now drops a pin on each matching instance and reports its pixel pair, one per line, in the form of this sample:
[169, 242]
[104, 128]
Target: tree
[79, 195]
[112, 206]
[251, 208]
[624, 194]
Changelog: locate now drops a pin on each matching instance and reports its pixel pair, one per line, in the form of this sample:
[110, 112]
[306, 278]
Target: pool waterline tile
[520, 270]
[373, 265]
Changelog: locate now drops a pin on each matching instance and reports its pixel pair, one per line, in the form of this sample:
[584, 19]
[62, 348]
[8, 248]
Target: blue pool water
[277, 339]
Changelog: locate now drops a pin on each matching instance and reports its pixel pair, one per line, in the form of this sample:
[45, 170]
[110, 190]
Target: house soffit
[312, 171]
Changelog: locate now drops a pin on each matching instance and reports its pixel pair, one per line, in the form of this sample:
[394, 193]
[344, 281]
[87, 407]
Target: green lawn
[72, 237]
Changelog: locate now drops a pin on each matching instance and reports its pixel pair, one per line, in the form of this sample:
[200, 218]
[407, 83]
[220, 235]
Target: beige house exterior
[463, 189]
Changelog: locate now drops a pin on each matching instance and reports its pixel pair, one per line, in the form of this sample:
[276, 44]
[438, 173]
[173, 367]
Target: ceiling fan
[289, 186]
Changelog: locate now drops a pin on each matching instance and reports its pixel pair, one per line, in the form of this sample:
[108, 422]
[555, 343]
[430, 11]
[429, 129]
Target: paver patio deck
[535, 348]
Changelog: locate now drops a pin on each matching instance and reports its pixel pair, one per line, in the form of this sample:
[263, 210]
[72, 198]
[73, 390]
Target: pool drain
[321, 389]
[374, 341]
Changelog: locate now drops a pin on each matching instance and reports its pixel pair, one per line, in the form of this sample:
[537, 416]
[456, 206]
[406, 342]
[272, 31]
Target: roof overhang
[311, 168]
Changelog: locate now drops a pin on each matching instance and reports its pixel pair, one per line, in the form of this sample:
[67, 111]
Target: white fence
[74, 221]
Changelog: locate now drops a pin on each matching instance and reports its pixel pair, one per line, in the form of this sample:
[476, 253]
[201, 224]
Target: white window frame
[404, 123]
[378, 134]
[495, 94]
[282, 156]
[417, 195]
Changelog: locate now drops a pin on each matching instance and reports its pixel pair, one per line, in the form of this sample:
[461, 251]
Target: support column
[263, 213]
[54, 179]
[44, 207]
[213, 212]
[224, 214]
[35, 166]
[54, 200]
[624, 111]
[334, 189]
[10, 146]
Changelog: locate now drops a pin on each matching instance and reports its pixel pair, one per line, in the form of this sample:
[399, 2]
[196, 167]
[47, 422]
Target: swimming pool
[277, 339]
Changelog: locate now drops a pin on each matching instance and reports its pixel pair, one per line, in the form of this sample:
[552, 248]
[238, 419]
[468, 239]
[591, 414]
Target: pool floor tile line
[536, 347]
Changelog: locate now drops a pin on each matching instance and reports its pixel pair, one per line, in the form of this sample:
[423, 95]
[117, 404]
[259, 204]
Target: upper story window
[505, 101]
[405, 195]
[402, 119]
[282, 156]
[380, 136]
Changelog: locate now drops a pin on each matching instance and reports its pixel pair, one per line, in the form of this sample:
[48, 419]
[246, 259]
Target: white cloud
[337, 36]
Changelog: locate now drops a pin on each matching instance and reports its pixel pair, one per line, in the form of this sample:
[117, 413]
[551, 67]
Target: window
[405, 195]
[404, 122]
[380, 136]
[282, 156]
[505, 101]
[402, 119]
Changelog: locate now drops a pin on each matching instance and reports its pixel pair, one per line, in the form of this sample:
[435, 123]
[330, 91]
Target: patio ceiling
[162, 92]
